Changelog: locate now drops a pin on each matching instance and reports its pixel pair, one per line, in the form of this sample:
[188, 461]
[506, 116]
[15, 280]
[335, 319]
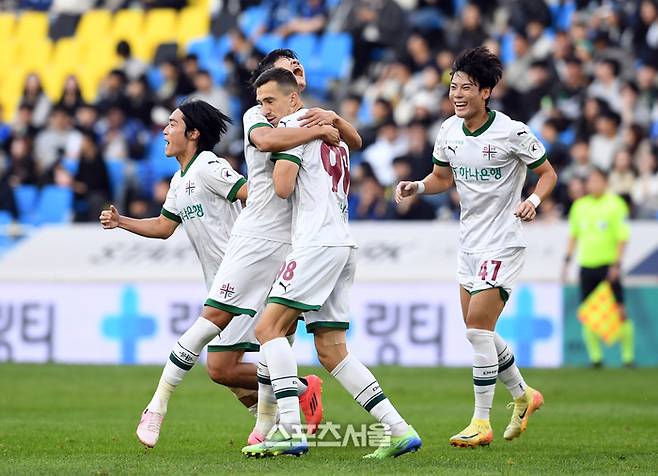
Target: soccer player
[487, 154]
[597, 223]
[315, 279]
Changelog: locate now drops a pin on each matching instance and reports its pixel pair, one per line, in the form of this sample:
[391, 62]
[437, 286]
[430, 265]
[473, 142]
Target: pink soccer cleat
[148, 430]
[311, 404]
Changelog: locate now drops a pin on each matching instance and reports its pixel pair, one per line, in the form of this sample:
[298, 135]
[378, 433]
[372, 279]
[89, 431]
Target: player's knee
[223, 375]
[218, 317]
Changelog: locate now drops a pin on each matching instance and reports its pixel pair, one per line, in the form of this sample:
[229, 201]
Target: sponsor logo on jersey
[485, 174]
[192, 211]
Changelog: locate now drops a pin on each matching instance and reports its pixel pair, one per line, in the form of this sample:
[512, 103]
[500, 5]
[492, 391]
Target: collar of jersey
[491, 116]
[189, 164]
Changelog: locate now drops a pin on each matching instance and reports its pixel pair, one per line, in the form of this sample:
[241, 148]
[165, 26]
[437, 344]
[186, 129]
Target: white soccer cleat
[148, 430]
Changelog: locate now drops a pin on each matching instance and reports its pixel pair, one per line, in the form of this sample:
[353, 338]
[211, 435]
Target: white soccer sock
[283, 374]
[181, 360]
[301, 383]
[508, 372]
[485, 370]
[363, 386]
[267, 408]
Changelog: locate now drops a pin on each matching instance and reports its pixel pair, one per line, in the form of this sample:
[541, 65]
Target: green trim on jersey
[484, 127]
[235, 189]
[256, 126]
[440, 163]
[537, 163]
[246, 346]
[280, 156]
[293, 304]
[172, 216]
[504, 295]
[189, 164]
[228, 308]
[311, 327]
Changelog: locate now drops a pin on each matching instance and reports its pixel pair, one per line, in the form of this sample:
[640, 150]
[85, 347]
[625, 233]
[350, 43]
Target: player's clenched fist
[330, 135]
[405, 189]
[526, 211]
[109, 218]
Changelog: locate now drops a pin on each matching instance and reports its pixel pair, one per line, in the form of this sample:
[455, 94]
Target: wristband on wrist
[534, 199]
[421, 186]
[567, 258]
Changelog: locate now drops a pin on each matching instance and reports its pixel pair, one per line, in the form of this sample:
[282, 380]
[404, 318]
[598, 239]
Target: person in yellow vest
[598, 225]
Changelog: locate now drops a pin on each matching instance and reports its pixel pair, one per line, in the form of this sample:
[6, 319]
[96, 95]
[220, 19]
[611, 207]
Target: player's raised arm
[319, 117]
[157, 227]
[268, 139]
[438, 181]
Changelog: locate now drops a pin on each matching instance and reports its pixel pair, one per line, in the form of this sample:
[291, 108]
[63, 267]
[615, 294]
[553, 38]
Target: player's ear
[486, 93]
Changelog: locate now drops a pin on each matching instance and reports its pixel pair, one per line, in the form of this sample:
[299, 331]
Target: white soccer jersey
[320, 197]
[203, 198]
[265, 216]
[489, 166]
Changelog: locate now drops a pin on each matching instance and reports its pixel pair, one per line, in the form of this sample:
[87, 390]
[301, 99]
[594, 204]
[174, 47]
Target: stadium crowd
[582, 74]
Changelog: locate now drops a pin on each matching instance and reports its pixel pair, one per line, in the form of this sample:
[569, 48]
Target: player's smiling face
[295, 67]
[174, 134]
[275, 102]
[466, 96]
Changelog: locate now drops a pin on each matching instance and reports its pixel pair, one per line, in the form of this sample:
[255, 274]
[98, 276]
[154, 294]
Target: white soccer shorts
[490, 269]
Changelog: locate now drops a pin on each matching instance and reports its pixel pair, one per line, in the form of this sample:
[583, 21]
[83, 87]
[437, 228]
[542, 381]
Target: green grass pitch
[57, 419]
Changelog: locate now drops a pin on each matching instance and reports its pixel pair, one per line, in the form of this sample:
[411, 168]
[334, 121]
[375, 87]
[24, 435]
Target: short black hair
[211, 123]
[123, 49]
[598, 170]
[268, 62]
[481, 65]
[281, 76]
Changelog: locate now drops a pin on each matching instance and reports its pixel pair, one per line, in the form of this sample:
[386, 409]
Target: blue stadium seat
[55, 204]
[332, 62]
[304, 45]
[70, 165]
[5, 240]
[26, 201]
[269, 42]
[252, 19]
[160, 165]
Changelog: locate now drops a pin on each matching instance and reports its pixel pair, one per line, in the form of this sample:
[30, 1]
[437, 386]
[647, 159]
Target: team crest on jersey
[489, 152]
[227, 290]
[189, 187]
[226, 174]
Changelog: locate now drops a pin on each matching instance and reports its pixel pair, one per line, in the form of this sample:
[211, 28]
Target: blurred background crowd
[87, 86]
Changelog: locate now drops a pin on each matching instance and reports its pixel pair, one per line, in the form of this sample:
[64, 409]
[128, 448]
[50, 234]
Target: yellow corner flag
[599, 312]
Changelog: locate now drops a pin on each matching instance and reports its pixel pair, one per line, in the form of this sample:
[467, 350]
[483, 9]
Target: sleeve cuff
[537, 163]
[172, 216]
[235, 189]
[279, 156]
[440, 163]
[256, 126]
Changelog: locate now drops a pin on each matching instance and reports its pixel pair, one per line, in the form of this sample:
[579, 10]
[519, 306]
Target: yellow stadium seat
[89, 80]
[193, 22]
[94, 24]
[32, 26]
[67, 55]
[53, 83]
[203, 4]
[99, 58]
[159, 27]
[128, 25]
[7, 25]
[7, 58]
[35, 55]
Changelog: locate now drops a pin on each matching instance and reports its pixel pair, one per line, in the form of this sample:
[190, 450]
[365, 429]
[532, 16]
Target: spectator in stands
[131, 66]
[472, 32]
[644, 44]
[557, 151]
[286, 17]
[190, 67]
[569, 93]
[23, 125]
[367, 200]
[418, 52]
[622, 176]
[21, 170]
[207, 91]
[5, 131]
[35, 97]
[122, 138]
[419, 152]
[607, 85]
[416, 208]
[390, 143]
[112, 92]
[607, 141]
[55, 142]
[635, 141]
[645, 188]
[71, 98]
[381, 112]
[86, 119]
[516, 73]
[349, 109]
[586, 124]
[140, 100]
[91, 182]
